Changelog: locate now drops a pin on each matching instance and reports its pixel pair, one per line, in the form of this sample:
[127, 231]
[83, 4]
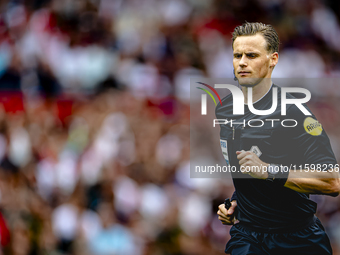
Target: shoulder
[224, 109]
[280, 95]
[304, 117]
[294, 109]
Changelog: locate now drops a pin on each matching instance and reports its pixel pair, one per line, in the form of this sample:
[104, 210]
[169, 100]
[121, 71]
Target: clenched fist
[227, 217]
[252, 165]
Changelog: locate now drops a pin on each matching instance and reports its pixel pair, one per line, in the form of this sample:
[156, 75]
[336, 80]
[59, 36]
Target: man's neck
[259, 90]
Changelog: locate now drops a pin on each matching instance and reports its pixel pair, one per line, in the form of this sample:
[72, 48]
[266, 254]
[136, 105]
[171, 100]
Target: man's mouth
[243, 73]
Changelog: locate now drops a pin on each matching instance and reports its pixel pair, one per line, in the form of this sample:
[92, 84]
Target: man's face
[252, 62]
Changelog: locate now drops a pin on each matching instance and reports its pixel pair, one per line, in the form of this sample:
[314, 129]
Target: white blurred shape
[16, 16]
[175, 12]
[127, 152]
[66, 171]
[195, 211]
[143, 80]
[220, 65]
[65, 221]
[106, 144]
[45, 175]
[218, 56]
[90, 166]
[90, 224]
[325, 24]
[20, 151]
[127, 195]
[169, 150]
[334, 228]
[296, 63]
[84, 66]
[182, 82]
[109, 8]
[206, 185]
[153, 202]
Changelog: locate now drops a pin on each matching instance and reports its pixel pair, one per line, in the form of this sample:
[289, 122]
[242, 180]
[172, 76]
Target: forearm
[323, 182]
[308, 181]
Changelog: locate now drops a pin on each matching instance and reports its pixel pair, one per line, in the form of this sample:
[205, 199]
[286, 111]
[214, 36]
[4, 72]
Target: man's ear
[274, 58]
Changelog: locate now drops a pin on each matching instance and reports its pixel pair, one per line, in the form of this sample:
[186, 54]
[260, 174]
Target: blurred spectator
[94, 118]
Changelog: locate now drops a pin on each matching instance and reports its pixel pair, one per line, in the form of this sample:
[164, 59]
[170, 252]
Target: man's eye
[251, 55]
[237, 56]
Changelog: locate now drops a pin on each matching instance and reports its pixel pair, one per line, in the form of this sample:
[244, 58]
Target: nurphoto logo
[238, 104]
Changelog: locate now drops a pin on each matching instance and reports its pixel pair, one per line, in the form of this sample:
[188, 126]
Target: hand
[227, 217]
[252, 165]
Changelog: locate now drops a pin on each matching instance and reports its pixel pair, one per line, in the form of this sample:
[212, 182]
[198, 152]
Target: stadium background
[94, 118]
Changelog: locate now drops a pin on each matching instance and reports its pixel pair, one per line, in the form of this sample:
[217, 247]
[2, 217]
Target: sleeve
[310, 141]
[234, 196]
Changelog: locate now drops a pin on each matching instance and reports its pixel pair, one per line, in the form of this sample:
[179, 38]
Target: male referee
[272, 205]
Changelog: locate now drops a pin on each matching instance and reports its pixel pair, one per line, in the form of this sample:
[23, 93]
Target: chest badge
[312, 126]
[256, 150]
[224, 147]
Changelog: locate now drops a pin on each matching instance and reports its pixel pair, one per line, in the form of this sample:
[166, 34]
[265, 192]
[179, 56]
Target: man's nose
[243, 61]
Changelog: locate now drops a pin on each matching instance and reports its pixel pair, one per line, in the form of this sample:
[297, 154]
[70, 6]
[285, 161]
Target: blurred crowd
[95, 118]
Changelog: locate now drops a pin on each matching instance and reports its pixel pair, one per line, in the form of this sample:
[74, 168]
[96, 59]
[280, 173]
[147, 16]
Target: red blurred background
[94, 118]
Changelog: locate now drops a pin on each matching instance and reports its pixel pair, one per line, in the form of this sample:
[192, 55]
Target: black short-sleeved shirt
[263, 204]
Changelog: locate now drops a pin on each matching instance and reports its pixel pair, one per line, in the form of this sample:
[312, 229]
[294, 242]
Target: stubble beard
[249, 82]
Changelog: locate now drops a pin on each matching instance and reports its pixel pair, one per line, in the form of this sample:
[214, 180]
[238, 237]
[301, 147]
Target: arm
[303, 181]
[313, 146]
[308, 143]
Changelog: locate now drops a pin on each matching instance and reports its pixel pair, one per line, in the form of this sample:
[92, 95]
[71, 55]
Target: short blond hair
[268, 32]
